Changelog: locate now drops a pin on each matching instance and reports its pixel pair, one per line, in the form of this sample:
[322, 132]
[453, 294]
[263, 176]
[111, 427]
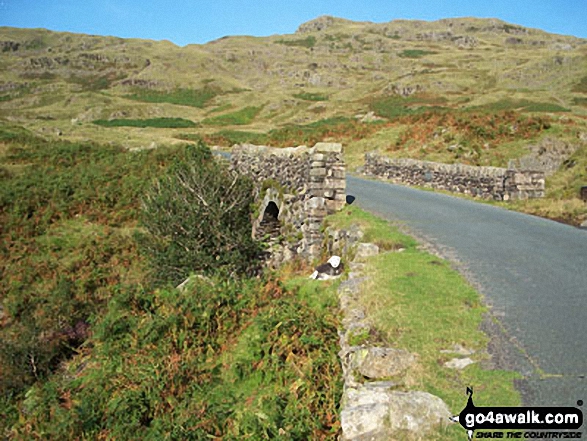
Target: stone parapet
[311, 185]
[484, 182]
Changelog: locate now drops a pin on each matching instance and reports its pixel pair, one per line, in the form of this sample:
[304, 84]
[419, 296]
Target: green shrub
[197, 218]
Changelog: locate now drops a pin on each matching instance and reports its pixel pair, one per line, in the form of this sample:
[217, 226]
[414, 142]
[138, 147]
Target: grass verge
[417, 302]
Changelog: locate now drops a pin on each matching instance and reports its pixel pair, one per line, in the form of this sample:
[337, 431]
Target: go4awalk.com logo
[530, 422]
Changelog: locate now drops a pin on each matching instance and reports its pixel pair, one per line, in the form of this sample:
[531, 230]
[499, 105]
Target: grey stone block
[327, 147]
[318, 172]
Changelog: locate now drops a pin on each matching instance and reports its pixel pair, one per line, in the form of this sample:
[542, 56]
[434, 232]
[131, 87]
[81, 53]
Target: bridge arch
[269, 221]
[296, 189]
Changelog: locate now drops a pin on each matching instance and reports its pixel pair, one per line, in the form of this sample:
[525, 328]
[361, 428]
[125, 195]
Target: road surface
[532, 271]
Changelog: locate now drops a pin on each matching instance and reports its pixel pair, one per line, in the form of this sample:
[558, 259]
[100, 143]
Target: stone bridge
[296, 188]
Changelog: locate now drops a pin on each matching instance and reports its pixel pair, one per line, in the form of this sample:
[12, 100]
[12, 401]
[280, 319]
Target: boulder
[379, 363]
[458, 350]
[459, 363]
[365, 250]
[376, 412]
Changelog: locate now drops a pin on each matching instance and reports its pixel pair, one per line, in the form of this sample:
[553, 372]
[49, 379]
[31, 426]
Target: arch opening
[270, 227]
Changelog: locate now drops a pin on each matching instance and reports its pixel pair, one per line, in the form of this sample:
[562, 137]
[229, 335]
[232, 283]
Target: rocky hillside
[61, 82]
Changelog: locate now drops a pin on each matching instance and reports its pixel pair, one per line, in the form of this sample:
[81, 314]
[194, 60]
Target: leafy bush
[198, 220]
[230, 358]
[160, 123]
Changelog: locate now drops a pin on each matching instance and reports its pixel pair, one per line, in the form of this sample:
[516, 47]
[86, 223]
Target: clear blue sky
[199, 21]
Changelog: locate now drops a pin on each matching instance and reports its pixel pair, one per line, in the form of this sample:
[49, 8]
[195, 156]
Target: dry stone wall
[305, 183]
[485, 182]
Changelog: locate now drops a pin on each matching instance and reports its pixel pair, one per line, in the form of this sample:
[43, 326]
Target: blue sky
[199, 21]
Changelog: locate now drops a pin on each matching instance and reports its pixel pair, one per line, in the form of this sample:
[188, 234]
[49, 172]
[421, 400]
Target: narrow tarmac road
[532, 271]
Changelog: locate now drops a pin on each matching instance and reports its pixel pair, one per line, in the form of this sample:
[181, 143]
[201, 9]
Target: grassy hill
[453, 90]
[87, 348]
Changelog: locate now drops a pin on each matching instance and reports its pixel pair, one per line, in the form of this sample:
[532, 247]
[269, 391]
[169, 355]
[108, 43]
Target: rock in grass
[378, 363]
[458, 363]
[375, 412]
[365, 250]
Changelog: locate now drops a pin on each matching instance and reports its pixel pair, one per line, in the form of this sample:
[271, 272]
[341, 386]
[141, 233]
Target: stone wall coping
[320, 147]
[328, 147]
[498, 183]
[266, 150]
[471, 169]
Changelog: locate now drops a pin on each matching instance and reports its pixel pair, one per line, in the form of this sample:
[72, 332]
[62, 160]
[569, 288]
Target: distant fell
[330, 67]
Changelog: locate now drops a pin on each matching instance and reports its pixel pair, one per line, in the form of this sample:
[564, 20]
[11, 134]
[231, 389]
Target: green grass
[307, 96]
[241, 117]
[94, 83]
[231, 137]
[581, 87]
[20, 91]
[521, 105]
[417, 302]
[160, 123]
[393, 107]
[183, 97]
[231, 359]
[415, 53]
[224, 359]
[292, 135]
[67, 215]
[308, 42]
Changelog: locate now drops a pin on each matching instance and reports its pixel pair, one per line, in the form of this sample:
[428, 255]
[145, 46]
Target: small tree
[197, 219]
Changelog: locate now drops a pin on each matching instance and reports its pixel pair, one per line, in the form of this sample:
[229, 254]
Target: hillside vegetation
[476, 91]
[95, 341]
[98, 168]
